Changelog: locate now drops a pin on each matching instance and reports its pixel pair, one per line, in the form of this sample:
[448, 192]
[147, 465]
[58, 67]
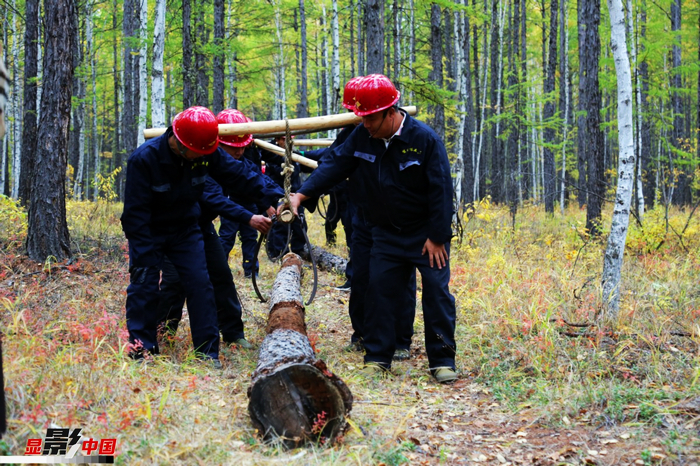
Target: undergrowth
[528, 302]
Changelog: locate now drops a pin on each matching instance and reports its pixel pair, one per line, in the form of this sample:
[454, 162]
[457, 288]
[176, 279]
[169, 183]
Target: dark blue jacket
[162, 190]
[318, 155]
[407, 185]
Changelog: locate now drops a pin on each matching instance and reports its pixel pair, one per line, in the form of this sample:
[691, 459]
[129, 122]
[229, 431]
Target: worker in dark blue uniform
[406, 174]
[214, 202]
[240, 148]
[165, 178]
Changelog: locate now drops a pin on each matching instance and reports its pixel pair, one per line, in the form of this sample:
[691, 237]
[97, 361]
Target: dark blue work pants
[185, 249]
[228, 306]
[394, 257]
[249, 239]
[360, 259]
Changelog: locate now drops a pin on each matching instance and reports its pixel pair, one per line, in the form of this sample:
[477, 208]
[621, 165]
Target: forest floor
[541, 381]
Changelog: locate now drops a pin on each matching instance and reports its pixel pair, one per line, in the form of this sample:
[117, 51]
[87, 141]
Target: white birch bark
[232, 97]
[335, 61]
[461, 86]
[157, 83]
[16, 107]
[612, 264]
[638, 95]
[143, 70]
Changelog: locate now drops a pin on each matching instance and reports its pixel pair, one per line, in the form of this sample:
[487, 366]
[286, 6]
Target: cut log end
[297, 404]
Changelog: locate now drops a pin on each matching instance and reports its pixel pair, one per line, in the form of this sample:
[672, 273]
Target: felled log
[293, 396]
[313, 142]
[328, 261]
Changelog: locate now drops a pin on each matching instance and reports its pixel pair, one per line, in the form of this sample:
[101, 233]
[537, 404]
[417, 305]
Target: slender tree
[219, 58]
[47, 234]
[438, 110]
[374, 24]
[590, 135]
[549, 111]
[142, 70]
[303, 105]
[157, 82]
[612, 264]
[188, 74]
[29, 127]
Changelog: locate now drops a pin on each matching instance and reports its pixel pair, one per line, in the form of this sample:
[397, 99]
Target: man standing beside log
[406, 174]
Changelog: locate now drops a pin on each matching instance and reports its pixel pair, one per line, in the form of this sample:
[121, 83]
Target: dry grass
[516, 290]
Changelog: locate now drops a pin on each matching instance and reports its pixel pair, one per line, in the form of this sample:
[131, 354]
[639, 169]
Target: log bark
[293, 397]
[328, 261]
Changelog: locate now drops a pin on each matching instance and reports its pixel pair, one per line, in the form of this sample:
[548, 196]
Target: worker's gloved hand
[260, 223]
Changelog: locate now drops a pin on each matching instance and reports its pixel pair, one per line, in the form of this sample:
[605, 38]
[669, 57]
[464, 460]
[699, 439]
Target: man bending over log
[164, 179]
[404, 167]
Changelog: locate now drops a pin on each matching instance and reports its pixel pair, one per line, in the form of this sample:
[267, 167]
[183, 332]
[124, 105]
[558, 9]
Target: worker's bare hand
[437, 254]
[271, 211]
[295, 200]
[260, 223]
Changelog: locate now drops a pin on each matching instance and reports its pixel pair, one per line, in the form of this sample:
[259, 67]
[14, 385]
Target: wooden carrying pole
[313, 142]
[293, 396]
[276, 126]
[279, 151]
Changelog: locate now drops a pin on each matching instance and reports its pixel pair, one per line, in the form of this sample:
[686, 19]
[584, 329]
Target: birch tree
[614, 252]
[549, 110]
[335, 60]
[16, 105]
[219, 58]
[90, 51]
[157, 83]
[143, 70]
[303, 105]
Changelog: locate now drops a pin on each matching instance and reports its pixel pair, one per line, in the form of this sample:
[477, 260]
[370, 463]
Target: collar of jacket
[408, 125]
[165, 154]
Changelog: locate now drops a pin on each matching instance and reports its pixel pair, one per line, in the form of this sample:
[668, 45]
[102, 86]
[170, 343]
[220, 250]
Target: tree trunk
[468, 146]
[188, 88]
[590, 136]
[95, 132]
[614, 252]
[130, 96]
[681, 193]
[293, 395]
[16, 107]
[117, 140]
[549, 110]
[281, 104]
[497, 153]
[29, 128]
[48, 231]
[219, 58]
[143, 70]
[438, 110]
[78, 119]
[649, 171]
[564, 96]
[335, 61]
[328, 261]
[157, 84]
[374, 25]
[303, 105]
[231, 34]
[201, 55]
[396, 33]
[514, 134]
[361, 20]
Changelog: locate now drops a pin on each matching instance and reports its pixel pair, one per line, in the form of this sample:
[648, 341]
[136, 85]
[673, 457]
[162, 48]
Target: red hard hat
[230, 116]
[375, 92]
[196, 128]
[349, 92]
